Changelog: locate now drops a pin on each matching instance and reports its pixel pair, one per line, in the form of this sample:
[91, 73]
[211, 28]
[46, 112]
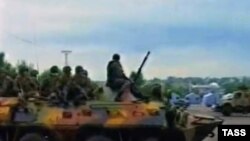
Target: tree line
[177, 85]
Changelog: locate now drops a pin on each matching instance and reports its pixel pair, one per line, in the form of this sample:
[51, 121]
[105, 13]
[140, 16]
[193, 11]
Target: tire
[98, 138]
[227, 110]
[32, 137]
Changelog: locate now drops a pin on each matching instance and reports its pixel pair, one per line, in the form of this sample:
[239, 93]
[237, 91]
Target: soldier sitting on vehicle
[6, 85]
[25, 84]
[65, 87]
[78, 87]
[66, 78]
[33, 75]
[50, 85]
[117, 80]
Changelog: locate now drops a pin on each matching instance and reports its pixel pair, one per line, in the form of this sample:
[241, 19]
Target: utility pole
[66, 53]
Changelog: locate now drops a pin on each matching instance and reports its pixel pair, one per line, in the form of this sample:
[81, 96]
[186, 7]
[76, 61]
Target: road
[234, 119]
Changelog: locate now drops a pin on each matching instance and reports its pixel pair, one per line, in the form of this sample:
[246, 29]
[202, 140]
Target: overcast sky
[185, 37]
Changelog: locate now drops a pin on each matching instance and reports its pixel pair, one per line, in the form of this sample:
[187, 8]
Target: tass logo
[234, 132]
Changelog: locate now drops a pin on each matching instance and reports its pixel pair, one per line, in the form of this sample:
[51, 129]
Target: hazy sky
[185, 37]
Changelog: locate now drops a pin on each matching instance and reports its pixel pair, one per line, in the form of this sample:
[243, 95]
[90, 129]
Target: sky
[200, 38]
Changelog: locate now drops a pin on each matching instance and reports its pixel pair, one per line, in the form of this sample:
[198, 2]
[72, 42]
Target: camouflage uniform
[25, 83]
[66, 78]
[6, 85]
[50, 85]
[33, 75]
[82, 82]
[117, 80]
[116, 77]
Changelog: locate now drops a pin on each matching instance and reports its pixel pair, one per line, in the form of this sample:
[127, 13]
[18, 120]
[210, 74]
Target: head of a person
[116, 57]
[67, 70]
[54, 71]
[34, 73]
[79, 69]
[85, 73]
[23, 71]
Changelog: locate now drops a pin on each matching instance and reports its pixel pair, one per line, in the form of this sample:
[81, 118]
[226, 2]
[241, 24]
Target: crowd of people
[26, 82]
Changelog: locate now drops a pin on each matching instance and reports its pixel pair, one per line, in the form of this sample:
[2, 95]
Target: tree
[11, 71]
[140, 80]
[2, 59]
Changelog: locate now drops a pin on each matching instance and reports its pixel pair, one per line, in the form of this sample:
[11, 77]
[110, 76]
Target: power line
[26, 41]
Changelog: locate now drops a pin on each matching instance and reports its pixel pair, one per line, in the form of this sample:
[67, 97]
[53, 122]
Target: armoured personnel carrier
[60, 119]
[43, 120]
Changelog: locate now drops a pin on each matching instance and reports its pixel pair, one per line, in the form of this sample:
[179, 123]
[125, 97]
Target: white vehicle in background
[227, 98]
[237, 102]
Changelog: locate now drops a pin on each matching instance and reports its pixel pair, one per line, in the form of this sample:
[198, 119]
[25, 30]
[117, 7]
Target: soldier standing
[117, 80]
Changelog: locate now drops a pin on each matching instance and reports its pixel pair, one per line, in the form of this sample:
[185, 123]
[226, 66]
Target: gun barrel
[141, 66]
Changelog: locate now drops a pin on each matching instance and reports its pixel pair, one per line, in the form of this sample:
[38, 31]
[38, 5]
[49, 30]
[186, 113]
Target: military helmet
[23, 70]
[54, 70]
[85, 72]
[116, 56]
[34, 73]
[66, 69]
[79, 69]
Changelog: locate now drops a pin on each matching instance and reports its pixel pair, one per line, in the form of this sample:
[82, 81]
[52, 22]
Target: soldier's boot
[137, 93]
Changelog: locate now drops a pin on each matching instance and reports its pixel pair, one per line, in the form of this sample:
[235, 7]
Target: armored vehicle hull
[95, 121]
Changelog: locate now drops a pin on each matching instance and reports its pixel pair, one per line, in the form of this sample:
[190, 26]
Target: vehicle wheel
[227, 110]
[32, 137]
[98, 138]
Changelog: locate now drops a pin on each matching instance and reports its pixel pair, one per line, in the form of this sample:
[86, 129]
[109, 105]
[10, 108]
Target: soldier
[24, 83]
[66, 77]
[82, 83]
[117, 80]
[172, 133]
[157, 93]
[6, 85]
[33, 75]
[51, 84]
[116, 77]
